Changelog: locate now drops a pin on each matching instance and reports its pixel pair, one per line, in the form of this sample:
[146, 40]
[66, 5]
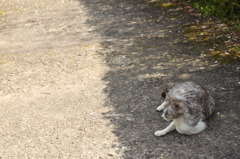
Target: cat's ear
[164, 94]
[176, 105]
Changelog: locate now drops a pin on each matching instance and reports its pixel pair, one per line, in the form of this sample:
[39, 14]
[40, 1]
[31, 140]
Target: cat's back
[187, 90]
[196, 96]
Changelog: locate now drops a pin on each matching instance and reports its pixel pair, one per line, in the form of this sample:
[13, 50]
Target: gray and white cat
[187, 105]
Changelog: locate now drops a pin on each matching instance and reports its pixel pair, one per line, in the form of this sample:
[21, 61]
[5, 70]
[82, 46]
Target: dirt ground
[82, 79]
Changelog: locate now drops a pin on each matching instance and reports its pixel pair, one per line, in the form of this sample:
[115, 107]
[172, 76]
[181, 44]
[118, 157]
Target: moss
[222, 45]
[226, 57]
[165, 4]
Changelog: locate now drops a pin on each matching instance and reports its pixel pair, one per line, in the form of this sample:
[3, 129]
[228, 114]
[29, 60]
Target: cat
[187, 105]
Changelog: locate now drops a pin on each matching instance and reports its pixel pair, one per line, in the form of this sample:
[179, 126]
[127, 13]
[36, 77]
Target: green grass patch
[226, 10]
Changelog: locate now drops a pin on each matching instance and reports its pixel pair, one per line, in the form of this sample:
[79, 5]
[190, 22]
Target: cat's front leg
[162, 106]
[169, 128]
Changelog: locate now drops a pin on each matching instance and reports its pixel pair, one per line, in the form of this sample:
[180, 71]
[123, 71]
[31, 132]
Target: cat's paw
[159, 109]
[160, 133]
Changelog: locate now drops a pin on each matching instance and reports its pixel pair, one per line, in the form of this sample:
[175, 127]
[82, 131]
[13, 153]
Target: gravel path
[82, 79]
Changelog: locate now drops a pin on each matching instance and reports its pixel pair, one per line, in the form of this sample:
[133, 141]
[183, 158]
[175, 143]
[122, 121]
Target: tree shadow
[146, 51]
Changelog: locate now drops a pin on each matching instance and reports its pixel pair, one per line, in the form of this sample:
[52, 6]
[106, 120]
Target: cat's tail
[211, 106]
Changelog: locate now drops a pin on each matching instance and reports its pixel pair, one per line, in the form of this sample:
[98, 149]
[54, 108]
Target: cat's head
[174, 108]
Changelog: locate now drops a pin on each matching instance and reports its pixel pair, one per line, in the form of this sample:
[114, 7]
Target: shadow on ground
[146, 51]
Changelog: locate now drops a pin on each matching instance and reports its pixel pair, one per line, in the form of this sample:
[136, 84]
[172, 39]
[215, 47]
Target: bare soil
[82, 79]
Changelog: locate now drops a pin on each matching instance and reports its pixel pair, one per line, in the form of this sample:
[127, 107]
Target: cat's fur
[187, 105]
